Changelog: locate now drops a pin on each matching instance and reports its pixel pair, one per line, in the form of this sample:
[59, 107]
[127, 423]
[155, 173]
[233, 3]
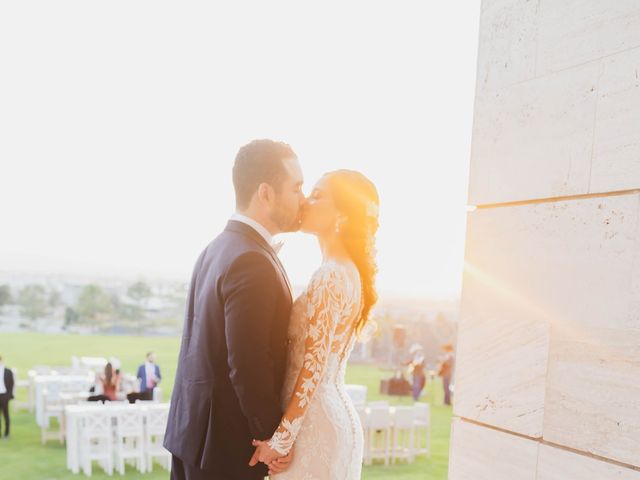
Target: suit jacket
[232, 358]
[142, 375]
[8, 381]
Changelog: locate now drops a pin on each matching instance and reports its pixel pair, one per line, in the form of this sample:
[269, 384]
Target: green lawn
[24, 458]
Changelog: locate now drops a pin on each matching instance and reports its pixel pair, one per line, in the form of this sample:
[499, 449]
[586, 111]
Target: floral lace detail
[322, 327]
[282, 440]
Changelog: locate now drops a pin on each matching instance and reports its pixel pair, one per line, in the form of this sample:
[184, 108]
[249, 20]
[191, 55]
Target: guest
[445, 370]
[115, 363]
[110, 382]
[6, 394]
[149, 376]
[417, 367]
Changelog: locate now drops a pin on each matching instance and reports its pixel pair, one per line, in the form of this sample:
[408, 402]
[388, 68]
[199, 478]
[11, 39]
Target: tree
[94, 304]
[55, 299]
[139, 292]
[127, 311]
[70, 317]
[33, 302]
[5, 295]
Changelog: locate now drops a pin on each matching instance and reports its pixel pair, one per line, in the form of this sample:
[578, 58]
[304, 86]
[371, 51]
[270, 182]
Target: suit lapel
[274, 255]
[245, 229]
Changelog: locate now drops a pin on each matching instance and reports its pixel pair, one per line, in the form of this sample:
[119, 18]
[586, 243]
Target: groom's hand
[281, 464]
[264, 453]
[255, 458]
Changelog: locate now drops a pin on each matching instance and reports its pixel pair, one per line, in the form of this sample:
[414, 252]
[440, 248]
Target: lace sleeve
[325, 305]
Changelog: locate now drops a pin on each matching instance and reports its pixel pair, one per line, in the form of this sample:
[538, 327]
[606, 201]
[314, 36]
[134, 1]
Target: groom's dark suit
[232, 358]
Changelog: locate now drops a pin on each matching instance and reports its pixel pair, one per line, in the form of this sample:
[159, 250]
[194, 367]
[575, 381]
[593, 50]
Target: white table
[73, 417]
[58, 383]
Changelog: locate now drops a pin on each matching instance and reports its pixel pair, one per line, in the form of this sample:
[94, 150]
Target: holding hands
[270, 457]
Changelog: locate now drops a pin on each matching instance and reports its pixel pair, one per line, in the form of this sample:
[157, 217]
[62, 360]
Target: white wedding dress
[320, 421]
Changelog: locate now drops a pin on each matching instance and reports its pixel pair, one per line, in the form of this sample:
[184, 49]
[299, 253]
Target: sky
[119, 123]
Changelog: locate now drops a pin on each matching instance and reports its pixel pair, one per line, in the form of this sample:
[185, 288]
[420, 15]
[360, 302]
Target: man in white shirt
[6, 394]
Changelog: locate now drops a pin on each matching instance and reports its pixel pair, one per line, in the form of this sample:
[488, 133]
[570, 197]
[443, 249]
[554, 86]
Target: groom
[234, 344]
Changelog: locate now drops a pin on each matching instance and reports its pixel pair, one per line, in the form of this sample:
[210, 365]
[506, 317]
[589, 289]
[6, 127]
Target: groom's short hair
[259, 161]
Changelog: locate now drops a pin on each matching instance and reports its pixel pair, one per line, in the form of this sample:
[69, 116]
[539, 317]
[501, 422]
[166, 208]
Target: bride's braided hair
[357, 198]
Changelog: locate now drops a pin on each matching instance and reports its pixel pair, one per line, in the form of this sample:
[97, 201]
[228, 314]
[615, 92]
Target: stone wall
[548, 367]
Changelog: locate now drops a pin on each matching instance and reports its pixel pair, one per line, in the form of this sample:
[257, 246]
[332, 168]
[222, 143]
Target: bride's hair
[356, 197]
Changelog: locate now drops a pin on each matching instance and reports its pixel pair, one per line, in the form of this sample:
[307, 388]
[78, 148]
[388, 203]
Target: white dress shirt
[150, 370]
[3, 387]
[257, 226]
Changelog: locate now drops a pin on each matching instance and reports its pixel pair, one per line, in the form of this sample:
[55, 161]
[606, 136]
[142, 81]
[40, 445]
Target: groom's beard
[293, 227]
[284, 222]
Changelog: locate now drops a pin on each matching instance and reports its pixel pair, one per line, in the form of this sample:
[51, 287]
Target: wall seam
[566, 198]
[542, 441]
[561, 70]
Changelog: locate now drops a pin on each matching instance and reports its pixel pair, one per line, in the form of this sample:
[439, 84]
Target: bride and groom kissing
[259, 385]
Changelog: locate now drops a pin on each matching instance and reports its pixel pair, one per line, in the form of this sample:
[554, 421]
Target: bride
[320, 419]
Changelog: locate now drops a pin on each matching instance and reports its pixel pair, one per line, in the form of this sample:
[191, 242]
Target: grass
[24, 458]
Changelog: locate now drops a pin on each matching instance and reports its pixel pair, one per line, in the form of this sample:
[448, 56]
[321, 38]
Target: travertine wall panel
[534, 139]
[616, 148]
[557, 464]
[573, 32]
[479, 453]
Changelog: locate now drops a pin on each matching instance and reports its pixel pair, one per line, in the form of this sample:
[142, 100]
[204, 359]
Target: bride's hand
[264, 453]
[281, 464]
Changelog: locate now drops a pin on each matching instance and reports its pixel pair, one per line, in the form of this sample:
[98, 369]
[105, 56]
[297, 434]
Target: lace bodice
[322, 333]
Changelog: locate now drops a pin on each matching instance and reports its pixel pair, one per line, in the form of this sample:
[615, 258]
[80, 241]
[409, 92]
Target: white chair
[380, 425]
[31, 375]
[378, 403]
[41, 370]
[52, 408]
[129, 438]
[422, 422]
[128, 383]
[156, 417]
[66, 390]
[20, 385]
[77, 386]
[157, 395]
[95, 364]
[357, 393]
[403, 442]
[96, 440]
